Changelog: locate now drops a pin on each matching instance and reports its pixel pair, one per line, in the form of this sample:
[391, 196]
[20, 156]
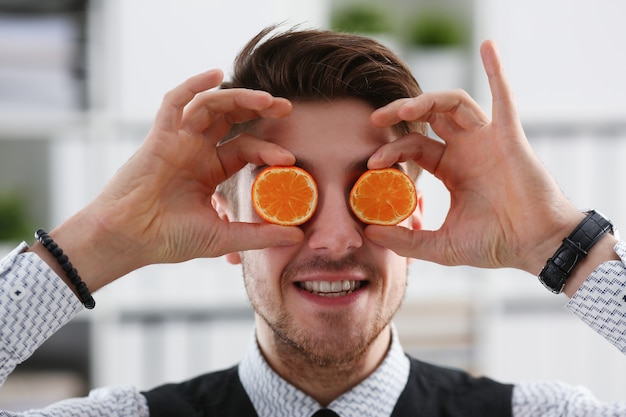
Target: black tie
[325, 412]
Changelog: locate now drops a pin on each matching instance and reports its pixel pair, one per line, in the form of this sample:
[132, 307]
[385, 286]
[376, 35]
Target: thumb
[417, 244]
[247, 236]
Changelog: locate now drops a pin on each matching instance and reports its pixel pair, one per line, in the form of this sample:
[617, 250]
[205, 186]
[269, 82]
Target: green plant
[437, 29]
[360, 18]
[15, 224]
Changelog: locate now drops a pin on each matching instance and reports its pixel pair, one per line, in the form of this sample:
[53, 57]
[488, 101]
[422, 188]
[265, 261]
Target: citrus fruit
[383, 196]
[285, 195]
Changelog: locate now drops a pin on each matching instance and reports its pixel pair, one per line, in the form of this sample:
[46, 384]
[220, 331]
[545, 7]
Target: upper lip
[331, 276]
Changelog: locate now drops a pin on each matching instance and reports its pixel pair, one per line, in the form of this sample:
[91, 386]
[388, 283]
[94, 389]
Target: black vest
[431, 391]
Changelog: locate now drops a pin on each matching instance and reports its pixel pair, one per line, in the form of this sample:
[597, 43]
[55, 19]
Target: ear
[224, 212]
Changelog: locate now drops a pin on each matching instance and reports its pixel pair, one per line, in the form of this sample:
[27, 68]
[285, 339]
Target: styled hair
[322, 65]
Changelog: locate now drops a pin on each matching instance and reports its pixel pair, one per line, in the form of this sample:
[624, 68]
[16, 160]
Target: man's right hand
[157, 208]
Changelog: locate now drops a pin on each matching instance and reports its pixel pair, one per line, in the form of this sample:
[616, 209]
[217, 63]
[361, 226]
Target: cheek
[262, 268]
[397, 273]
[254, 280]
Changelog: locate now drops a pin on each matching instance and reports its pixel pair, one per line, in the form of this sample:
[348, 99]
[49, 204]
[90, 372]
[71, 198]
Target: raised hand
[506, 210]
[158, 208]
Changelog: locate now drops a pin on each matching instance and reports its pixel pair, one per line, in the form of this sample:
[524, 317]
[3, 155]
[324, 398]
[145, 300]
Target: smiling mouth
[331, 288]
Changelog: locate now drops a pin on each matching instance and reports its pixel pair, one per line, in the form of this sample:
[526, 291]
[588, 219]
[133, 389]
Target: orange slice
[383, 196]
[284, 195]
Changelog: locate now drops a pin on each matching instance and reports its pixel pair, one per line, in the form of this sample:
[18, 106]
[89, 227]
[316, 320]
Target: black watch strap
[573, 249]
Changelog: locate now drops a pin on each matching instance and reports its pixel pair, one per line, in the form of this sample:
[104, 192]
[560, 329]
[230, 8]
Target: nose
[333, 230]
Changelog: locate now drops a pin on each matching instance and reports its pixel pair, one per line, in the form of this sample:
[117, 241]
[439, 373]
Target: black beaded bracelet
[83, 292]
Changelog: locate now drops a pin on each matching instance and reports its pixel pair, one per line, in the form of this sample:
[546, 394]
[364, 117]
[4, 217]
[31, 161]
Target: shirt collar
[376, 396]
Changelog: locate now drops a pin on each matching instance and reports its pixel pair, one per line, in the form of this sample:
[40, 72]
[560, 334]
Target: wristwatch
[573, 249]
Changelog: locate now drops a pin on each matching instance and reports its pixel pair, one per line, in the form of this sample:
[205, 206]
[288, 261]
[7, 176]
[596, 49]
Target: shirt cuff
[34, 303]
[601, 300]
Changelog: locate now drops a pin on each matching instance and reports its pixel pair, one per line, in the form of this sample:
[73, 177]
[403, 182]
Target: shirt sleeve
[35, 303]
[121, 401]
[601, 303]
[558, 399]
[601, 300]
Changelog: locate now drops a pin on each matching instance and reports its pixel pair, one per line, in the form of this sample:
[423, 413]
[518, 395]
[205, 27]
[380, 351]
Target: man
[335, 105]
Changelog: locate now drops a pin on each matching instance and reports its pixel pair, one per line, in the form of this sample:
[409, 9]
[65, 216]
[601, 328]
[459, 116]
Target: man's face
[289, 286]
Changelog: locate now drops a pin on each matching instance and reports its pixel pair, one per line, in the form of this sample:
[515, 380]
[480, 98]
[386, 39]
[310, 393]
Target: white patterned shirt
[35, 302]
[377, 395]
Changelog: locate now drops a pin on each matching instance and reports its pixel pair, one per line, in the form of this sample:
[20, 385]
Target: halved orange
[383, 196]
[285, 195]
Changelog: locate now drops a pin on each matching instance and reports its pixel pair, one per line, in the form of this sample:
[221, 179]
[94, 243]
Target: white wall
[156, 44]
[564, 58]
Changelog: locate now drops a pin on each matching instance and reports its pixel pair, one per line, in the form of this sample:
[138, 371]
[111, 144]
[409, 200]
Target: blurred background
[80, 81]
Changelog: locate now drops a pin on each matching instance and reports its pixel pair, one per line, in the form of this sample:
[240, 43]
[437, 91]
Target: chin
[327, 347]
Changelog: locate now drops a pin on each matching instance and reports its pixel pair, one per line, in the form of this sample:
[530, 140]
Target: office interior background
[80, 81]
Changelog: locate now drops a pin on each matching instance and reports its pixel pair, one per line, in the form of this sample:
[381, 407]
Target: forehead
[337, 132]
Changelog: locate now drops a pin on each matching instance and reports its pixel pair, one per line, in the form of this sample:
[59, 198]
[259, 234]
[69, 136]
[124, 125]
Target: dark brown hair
[312, 65]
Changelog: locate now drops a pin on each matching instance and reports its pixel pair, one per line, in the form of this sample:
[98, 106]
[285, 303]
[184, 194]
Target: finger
[247, 236]
[442, 124]
[445, 126]
[387, 116]
[170, 112]
[221, 124]
[245, 148]
[425, 151]
[417, 244]
[235, 105]
[457, 103]
[504, 109]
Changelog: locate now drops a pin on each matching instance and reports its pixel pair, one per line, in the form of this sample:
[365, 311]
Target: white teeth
[330, 289]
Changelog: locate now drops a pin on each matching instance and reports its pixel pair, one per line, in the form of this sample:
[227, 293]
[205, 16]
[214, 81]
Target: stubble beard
[338, 348]
[341, 345]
